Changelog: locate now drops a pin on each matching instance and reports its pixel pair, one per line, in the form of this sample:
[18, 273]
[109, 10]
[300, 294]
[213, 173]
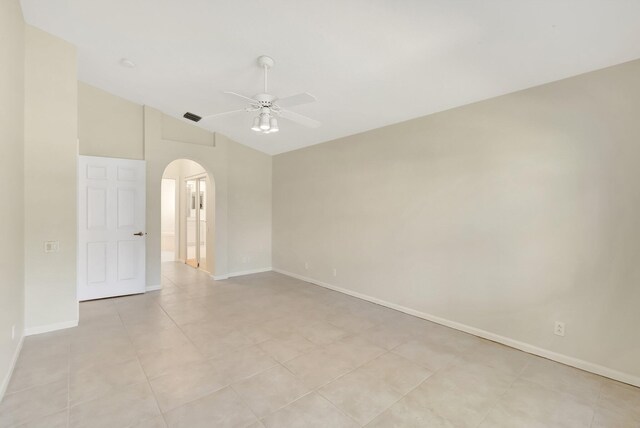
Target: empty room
[358, 213]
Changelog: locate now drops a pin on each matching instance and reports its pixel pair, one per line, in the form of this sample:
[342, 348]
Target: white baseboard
[152, 287]
[7, 378]
[50, 327]
[526, 347]
[241, 273]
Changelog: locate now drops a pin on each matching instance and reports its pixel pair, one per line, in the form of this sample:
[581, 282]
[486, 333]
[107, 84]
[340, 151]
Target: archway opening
[187, 204]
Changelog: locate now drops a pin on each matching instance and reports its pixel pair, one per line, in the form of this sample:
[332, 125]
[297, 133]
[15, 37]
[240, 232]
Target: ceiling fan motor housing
[265, 100]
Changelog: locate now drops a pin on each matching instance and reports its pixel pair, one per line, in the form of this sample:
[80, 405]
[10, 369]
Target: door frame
[196, 178]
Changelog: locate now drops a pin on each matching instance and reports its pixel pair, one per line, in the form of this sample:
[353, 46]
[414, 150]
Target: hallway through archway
[186, 214]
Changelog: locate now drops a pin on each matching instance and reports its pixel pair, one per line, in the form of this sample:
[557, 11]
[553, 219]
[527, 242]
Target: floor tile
[286, 346]
[310, 411]
[399, 373]
[351, 322]
[321, 332]
[183, 384]
[461, 395]
[559, 377]
[34, 372]
[529, 404]
[619, 399]
[85, 385]
[499, 356]
[33, 403]
[159, 340]
[319, 367]
[360, 394]
[46, 346]
[355, 349]
[155, 422]
[408, 414]
[221, 409]
[214, 339]
[122, 408]
[270, 390]
[152, 326]
[607, 418]
[93, 357]
[56, 420]
[387, 336]
[160, 362]
[242, 363]
[431, 354]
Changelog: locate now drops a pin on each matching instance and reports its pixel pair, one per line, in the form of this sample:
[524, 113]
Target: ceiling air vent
[192, 116]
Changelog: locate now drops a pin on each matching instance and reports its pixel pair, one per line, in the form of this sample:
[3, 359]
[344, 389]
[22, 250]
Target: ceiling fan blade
[209, 116]
[251, 100]
[300, 119]
[296, 100]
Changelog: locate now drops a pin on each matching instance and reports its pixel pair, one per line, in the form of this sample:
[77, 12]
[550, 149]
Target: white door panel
[111, 203]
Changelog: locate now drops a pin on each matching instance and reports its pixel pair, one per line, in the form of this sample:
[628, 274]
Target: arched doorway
[187, 204]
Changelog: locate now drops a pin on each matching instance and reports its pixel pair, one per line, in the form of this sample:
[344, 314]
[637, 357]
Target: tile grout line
[162, 414]
[596, 405]
[155, 398]
[316, 391]
[506, 390]
[242, 400]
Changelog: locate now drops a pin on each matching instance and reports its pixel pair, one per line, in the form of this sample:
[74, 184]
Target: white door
[111, 227]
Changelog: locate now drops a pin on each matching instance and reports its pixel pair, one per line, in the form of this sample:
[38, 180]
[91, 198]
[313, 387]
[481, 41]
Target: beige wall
[108, 125]
[503, 216]
[50, 182]
[11, 185]
[249, 209]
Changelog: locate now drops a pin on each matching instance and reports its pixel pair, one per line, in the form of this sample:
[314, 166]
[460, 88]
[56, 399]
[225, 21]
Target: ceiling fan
[269, 106]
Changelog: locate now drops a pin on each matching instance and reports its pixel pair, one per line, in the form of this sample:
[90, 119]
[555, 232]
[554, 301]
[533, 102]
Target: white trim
[7, 378]
[152, 288]
[526, 347]
[50, 327]
[241, 273]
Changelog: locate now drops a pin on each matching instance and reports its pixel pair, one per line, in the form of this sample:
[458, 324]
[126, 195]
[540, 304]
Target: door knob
[139, 234]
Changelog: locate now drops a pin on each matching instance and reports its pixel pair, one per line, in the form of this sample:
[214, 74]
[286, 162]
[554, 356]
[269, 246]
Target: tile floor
[266, 350]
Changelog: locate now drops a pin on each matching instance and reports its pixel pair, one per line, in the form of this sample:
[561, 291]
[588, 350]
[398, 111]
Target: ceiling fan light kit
[269, 106]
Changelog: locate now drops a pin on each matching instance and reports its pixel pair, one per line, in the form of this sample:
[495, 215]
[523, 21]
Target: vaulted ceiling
[370, 63]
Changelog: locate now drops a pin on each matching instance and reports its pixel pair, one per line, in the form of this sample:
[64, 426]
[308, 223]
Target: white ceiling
[370, 63]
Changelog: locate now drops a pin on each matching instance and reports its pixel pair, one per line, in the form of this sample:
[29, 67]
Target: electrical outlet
[559, 329]
[13, 332]
[306, 265]
[51, 246]
[335, 272]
